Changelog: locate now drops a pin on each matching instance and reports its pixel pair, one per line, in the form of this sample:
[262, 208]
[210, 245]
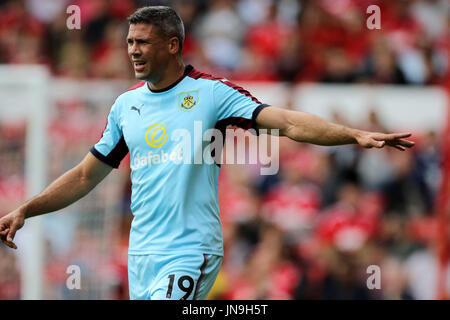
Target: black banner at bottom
[230, 310]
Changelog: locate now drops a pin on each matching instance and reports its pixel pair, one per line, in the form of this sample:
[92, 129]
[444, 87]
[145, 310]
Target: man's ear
[174, 45]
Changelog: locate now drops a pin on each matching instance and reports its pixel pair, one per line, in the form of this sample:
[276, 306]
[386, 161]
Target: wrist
[23, 211]
[355, 134]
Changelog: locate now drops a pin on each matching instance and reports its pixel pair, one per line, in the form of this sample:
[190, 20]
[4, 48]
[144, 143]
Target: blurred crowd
[283, 40]
[311, 231]
[308, 232]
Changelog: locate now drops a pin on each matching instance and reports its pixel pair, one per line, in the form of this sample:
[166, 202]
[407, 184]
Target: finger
[401, 142]
[3, 227]
[401, 135]
[406, 143]
[9, 244]
[11, 233]
[391, 136]
[398, 147]
[4, 232]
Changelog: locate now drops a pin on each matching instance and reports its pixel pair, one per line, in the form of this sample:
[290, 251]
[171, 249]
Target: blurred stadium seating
[308, 232]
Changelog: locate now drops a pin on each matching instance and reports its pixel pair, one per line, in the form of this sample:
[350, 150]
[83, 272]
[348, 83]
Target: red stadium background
[308, 232]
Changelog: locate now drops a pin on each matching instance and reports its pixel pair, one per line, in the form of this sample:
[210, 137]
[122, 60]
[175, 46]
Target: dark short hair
[165, 18]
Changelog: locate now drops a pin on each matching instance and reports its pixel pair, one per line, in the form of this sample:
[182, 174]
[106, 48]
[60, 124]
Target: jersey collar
[187, 70]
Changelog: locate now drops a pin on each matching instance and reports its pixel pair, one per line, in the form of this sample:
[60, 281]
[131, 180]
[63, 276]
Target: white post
[36, 178]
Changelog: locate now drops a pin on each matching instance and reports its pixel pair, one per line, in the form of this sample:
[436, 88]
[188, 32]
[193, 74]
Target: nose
[134, 49]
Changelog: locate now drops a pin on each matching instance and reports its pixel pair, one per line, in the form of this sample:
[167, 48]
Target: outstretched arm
[305, 127]
[68, 188]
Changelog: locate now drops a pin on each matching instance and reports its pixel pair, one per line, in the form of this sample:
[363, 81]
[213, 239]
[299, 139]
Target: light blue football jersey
[174, 196]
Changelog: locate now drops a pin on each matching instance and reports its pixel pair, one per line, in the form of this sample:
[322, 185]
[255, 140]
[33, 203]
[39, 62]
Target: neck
[173, 72]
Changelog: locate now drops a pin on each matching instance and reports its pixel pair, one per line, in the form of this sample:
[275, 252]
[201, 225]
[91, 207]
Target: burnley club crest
[188, 100]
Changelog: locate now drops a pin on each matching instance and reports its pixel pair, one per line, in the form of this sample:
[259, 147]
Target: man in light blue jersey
[175, 249]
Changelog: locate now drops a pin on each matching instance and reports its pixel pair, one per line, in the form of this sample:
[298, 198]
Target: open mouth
[139, 65]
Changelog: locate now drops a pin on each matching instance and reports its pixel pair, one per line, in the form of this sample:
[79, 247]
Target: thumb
[379, 144]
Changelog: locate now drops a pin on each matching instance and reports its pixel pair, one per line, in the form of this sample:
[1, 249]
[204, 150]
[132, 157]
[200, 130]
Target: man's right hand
[9, 224]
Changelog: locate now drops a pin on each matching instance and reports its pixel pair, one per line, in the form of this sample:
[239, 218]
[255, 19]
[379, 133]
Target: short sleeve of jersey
[111, 148]
[236, 106]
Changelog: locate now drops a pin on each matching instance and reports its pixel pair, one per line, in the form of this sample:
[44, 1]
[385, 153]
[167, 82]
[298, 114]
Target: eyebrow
[138, 39]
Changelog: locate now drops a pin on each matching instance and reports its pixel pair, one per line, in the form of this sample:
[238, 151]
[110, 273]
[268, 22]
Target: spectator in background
[269, 273]
[109, 51]
[381, 65]
[402, 190]
[428, 168]
[73, 58]
[394, 282]
[220, 33]
[293, 204]
[337, 67]
[351, 222]
[21, 35]
[189, 11]
[250, 40]
[421, 272]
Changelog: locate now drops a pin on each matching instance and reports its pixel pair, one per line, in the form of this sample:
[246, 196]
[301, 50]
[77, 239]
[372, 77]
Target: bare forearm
[64, 191]
[304, 127]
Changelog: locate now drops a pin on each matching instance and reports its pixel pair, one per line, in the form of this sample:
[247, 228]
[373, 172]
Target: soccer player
[175, 249]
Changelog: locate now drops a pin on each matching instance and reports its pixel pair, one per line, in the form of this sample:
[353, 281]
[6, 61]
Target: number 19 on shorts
[182, 281]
